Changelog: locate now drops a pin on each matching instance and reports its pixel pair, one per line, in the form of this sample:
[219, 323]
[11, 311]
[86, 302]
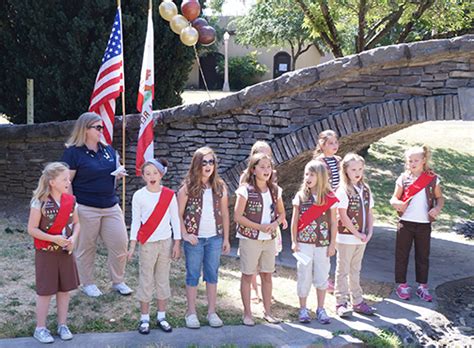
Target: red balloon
[199, 22]
[190, 9]
[207, 35]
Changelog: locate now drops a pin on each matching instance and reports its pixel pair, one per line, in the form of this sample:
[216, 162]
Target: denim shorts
[203, 257]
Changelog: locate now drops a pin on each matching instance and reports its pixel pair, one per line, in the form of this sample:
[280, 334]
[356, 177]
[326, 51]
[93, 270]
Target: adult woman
[91, 163]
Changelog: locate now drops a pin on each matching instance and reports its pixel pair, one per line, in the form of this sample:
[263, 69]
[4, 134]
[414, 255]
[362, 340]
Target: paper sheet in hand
[304, 259]
[119, 170]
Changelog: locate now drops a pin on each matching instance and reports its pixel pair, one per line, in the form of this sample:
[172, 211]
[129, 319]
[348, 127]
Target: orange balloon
[190, 9]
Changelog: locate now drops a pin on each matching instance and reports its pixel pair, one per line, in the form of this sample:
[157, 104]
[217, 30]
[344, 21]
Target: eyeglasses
[210, 162]
[98, 127]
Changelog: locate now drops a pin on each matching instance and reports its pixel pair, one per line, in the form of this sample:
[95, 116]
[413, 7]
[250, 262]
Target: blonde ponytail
[50, 172]
[322, 139]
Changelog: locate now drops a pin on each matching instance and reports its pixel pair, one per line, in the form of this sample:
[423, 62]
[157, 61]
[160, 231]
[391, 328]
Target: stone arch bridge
[363, 97]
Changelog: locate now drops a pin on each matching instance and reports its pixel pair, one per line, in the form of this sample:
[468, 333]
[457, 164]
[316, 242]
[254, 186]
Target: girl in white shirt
[155, 225]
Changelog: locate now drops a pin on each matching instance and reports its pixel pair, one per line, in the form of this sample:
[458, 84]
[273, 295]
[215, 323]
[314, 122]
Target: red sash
[147, 229]
[423, 180]
[65, 209]
[315, 212]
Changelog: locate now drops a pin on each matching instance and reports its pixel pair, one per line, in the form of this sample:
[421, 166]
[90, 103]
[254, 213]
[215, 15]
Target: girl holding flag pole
[313, 235]
[155, 221]
[418, 200]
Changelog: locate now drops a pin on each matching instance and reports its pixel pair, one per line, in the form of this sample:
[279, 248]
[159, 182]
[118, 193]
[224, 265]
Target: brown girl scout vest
[318, 231]
[407, 181]
[254, 210]
[49, 212]
[193, 211]
[354, 211]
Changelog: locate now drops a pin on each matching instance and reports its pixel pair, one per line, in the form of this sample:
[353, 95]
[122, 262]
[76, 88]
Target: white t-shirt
[341, 194]
[207, 224]
[143, 204]
[266, 213]
[417, 210]
[297, 201]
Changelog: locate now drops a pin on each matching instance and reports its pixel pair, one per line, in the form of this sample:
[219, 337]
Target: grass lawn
[452, 145]
[113, 313]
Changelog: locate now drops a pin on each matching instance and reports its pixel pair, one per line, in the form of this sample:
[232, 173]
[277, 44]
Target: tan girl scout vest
[49, 212]
[354, 211]
[318, 231]
[193, 211]
[253, 212]
[407, 181]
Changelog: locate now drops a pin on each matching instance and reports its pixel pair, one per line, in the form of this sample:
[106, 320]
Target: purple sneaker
[363, 308]
[423, 293]
[304, 316]
[343, 310]
[323, 318]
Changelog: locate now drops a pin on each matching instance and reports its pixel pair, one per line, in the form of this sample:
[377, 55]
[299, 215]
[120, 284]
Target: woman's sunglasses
[210, 162]
[98, 127]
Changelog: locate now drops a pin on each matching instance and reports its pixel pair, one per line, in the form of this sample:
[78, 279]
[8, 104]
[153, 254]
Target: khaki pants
[349, 263]
[155, 259]
[316, 272]
[109, 224]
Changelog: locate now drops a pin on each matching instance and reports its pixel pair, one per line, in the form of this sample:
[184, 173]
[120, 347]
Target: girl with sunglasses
[91, 162]
[204, 214]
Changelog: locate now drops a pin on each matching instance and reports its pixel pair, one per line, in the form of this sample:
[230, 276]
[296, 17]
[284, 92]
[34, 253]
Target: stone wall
[363, 97]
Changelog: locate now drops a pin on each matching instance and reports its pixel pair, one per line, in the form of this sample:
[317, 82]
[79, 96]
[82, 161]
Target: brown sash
[315, 211]
[147, 229]
[65, 209]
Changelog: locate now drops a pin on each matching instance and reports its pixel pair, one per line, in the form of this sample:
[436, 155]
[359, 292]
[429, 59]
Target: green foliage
[60, 45]
[243, 71]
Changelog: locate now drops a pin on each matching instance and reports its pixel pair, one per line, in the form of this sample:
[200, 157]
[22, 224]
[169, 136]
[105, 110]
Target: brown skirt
[56, 271]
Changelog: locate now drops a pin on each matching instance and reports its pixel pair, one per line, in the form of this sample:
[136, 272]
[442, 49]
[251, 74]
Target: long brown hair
[346, 183]
[249, 176]
[322, 182]
[193, 179]
[323, 137]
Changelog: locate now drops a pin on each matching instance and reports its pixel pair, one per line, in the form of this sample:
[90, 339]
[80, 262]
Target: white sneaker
[214, 320]
[91, 290]
[122, 289]
[43, 335]
[64, 333]
[192, 321]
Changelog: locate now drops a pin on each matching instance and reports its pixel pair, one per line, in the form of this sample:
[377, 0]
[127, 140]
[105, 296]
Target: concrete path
[450, 259]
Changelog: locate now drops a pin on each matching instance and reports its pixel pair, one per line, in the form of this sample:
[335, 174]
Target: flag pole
[123, 113]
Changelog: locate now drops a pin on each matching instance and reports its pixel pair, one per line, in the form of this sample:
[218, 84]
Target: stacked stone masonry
[378, 89]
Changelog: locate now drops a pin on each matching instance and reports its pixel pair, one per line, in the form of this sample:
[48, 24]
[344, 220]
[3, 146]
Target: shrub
[243, 71]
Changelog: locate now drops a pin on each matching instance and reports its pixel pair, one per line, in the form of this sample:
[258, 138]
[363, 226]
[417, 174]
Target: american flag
[109, 82]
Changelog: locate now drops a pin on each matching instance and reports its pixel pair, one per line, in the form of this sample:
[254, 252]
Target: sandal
[271, 319]
[248, 321]
[144, 327]
[164, 325]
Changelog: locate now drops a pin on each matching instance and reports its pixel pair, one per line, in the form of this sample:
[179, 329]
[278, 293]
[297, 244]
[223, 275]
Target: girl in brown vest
[313, 233]
[258, 212]
[204, 214]
[54, 225]
[354, 231]
[418, 200]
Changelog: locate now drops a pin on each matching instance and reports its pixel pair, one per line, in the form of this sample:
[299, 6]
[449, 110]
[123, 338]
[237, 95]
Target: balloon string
[202, 73]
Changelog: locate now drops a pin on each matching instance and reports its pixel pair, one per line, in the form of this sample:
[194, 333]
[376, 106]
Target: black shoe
[164, 325]
[144, 327]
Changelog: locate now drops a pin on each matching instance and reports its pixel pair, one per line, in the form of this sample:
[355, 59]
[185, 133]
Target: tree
[353, 26]
[275, 23]
[60, 44]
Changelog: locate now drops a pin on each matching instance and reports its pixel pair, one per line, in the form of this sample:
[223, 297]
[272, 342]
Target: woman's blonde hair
[50, 172]
[322, 140]
[419, 150]
[249, 173]
[193, 180]
[346, 183]
[78, 135]
[258, 146]
[322, 187]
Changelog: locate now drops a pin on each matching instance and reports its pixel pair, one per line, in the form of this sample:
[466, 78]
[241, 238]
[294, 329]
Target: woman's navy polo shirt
[93, 185]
